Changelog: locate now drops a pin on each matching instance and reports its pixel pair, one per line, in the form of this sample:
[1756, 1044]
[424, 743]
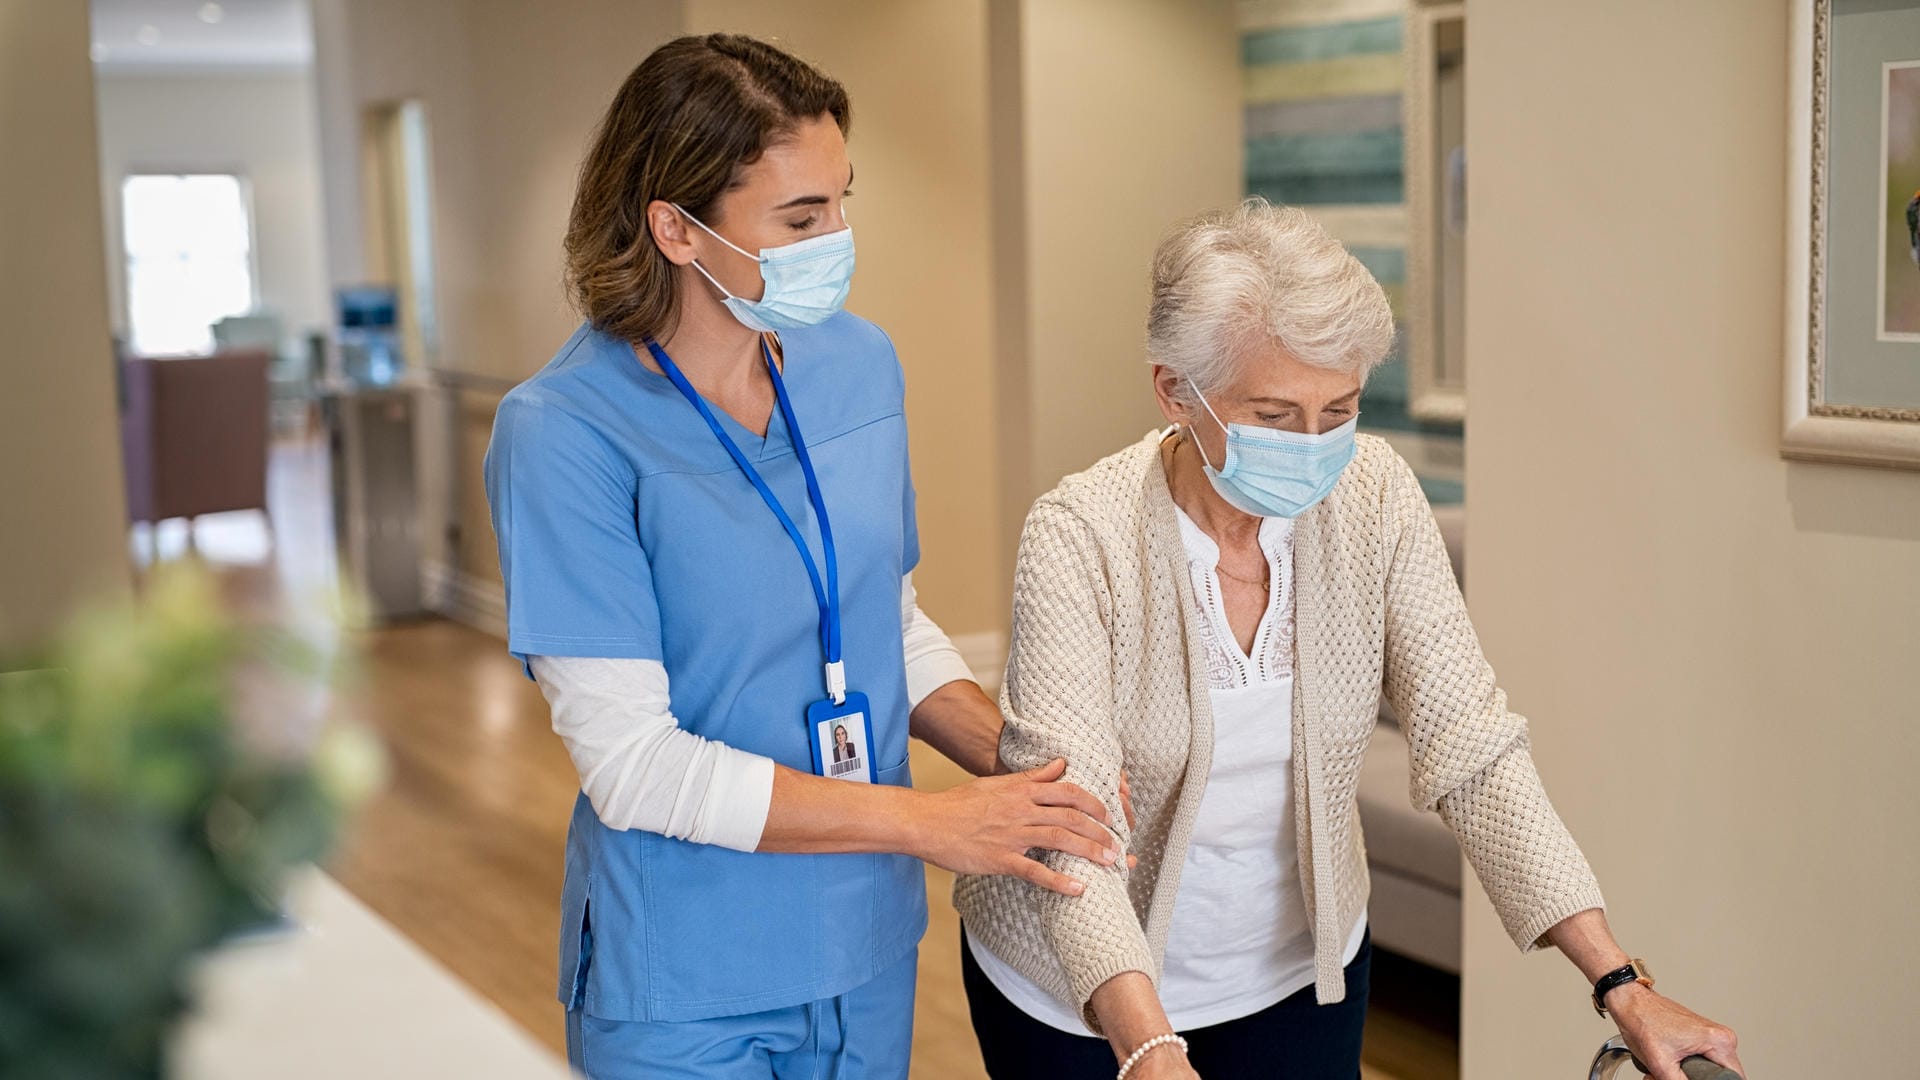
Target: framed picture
[1853, 257]
[1899, 174]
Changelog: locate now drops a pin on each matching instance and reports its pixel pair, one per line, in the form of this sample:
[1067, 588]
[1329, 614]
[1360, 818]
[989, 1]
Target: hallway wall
[1130, 116]
[916, 73]
[1018, 306]
[63, 498]
[1715, 645]
[259, 124]
[512, 89]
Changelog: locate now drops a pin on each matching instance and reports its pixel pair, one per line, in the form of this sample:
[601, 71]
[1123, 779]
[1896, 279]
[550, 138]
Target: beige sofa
[1415, 862]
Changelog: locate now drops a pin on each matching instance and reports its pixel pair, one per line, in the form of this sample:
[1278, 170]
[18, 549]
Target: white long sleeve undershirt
[641, 770]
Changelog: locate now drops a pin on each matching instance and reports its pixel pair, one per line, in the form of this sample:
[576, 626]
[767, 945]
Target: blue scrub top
[625, 530]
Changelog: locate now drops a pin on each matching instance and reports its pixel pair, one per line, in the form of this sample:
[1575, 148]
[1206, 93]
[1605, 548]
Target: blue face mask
[1272, 473]
[806, 282]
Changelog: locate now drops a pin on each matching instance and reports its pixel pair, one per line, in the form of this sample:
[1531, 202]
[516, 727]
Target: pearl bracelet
[1146, 1047]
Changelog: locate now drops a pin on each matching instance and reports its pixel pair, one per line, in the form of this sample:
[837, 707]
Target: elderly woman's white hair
[1232, 281]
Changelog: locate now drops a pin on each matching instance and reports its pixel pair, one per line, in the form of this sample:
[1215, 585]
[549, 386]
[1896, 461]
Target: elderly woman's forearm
[1587, 940]
[1130, 1011]
[1519, 848]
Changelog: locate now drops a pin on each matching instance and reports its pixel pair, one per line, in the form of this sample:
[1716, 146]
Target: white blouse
[1240, 938]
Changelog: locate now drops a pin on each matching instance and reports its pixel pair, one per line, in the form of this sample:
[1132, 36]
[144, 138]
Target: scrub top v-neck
[626, 530]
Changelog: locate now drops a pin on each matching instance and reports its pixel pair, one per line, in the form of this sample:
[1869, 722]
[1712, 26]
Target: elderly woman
[1217, 609]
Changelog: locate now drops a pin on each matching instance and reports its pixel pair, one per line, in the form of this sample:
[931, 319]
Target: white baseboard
[986, 653]
[465, 599]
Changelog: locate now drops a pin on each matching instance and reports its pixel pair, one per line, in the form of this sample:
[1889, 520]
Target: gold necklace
[1266, 579]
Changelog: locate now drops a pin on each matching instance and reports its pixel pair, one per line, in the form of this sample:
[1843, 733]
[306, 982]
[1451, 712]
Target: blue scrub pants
[864, 1034]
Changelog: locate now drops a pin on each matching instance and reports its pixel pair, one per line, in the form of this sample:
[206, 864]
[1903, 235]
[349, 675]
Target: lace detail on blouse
[1271, 657]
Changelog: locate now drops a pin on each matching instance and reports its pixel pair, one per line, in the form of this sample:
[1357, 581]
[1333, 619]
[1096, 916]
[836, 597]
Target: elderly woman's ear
[1174, 395]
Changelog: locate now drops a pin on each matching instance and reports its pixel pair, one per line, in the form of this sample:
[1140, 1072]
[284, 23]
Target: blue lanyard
[827, 596]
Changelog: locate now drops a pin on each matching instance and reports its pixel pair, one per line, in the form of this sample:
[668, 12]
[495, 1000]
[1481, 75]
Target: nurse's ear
[672, 233]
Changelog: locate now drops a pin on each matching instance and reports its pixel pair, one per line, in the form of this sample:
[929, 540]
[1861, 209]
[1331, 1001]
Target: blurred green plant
[142, 824]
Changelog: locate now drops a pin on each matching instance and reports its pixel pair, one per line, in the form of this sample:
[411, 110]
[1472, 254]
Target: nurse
[706, 527]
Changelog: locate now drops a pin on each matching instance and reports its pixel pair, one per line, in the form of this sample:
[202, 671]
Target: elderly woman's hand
[1661, 1032]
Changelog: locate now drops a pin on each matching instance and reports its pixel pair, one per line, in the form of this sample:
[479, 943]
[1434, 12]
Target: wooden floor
[462, 850]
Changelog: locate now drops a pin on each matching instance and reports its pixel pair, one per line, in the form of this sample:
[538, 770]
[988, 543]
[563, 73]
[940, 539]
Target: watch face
[1643, 972]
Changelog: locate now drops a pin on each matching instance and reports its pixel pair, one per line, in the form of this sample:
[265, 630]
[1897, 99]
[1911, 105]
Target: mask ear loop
[715, 282]
[1210, 412]
[711, 280]
[715, 235]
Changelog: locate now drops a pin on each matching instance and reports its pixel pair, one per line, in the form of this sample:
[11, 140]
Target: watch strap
[1636, 971]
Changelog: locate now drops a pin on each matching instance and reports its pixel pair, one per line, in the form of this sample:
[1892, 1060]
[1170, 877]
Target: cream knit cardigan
[1106, 671]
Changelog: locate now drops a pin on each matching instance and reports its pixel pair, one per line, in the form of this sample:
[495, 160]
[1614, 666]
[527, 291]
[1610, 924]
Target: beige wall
[544, 76]
[1005, 224]
[370, 55]
[1129, 118]
[1716, 646]
[260, 125]
[916, 73]
[1008, 204]
[512, 90]
[61, 495]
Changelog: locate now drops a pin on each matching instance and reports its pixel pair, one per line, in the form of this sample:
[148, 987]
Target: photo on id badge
[842, 740]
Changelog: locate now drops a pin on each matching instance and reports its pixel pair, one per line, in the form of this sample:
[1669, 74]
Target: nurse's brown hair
[688, 119]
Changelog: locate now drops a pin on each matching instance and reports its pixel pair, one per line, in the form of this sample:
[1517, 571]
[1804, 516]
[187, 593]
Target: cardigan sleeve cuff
[1095, 935]
[1086, 979]
[1530, 930]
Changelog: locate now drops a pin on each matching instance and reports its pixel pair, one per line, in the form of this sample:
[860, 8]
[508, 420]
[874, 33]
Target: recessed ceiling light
[148, 35]
[212, 13]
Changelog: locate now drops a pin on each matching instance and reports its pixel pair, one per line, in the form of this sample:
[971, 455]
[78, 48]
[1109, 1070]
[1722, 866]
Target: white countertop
[346, 995]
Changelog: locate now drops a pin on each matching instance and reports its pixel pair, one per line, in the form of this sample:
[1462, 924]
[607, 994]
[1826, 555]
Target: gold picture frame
[1816, 428]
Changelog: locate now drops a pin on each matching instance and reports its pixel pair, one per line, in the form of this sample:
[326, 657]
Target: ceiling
[159, 35]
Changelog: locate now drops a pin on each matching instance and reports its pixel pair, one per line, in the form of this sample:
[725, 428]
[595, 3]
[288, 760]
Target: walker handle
[1614, 1050]
[1700, 1068]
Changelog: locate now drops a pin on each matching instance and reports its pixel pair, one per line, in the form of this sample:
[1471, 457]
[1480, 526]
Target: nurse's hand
[988, 825]
[1126, 798]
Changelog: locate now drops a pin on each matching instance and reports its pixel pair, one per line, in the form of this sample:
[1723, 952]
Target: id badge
[842, 738]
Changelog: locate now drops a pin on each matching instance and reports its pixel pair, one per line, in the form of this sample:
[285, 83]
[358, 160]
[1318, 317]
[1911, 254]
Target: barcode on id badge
[842, 768]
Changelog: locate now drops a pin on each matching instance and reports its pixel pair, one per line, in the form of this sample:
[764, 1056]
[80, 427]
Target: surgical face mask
[1272, 473]
[806, 282]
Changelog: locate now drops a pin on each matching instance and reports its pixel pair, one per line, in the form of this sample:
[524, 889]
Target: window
[189, 247]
